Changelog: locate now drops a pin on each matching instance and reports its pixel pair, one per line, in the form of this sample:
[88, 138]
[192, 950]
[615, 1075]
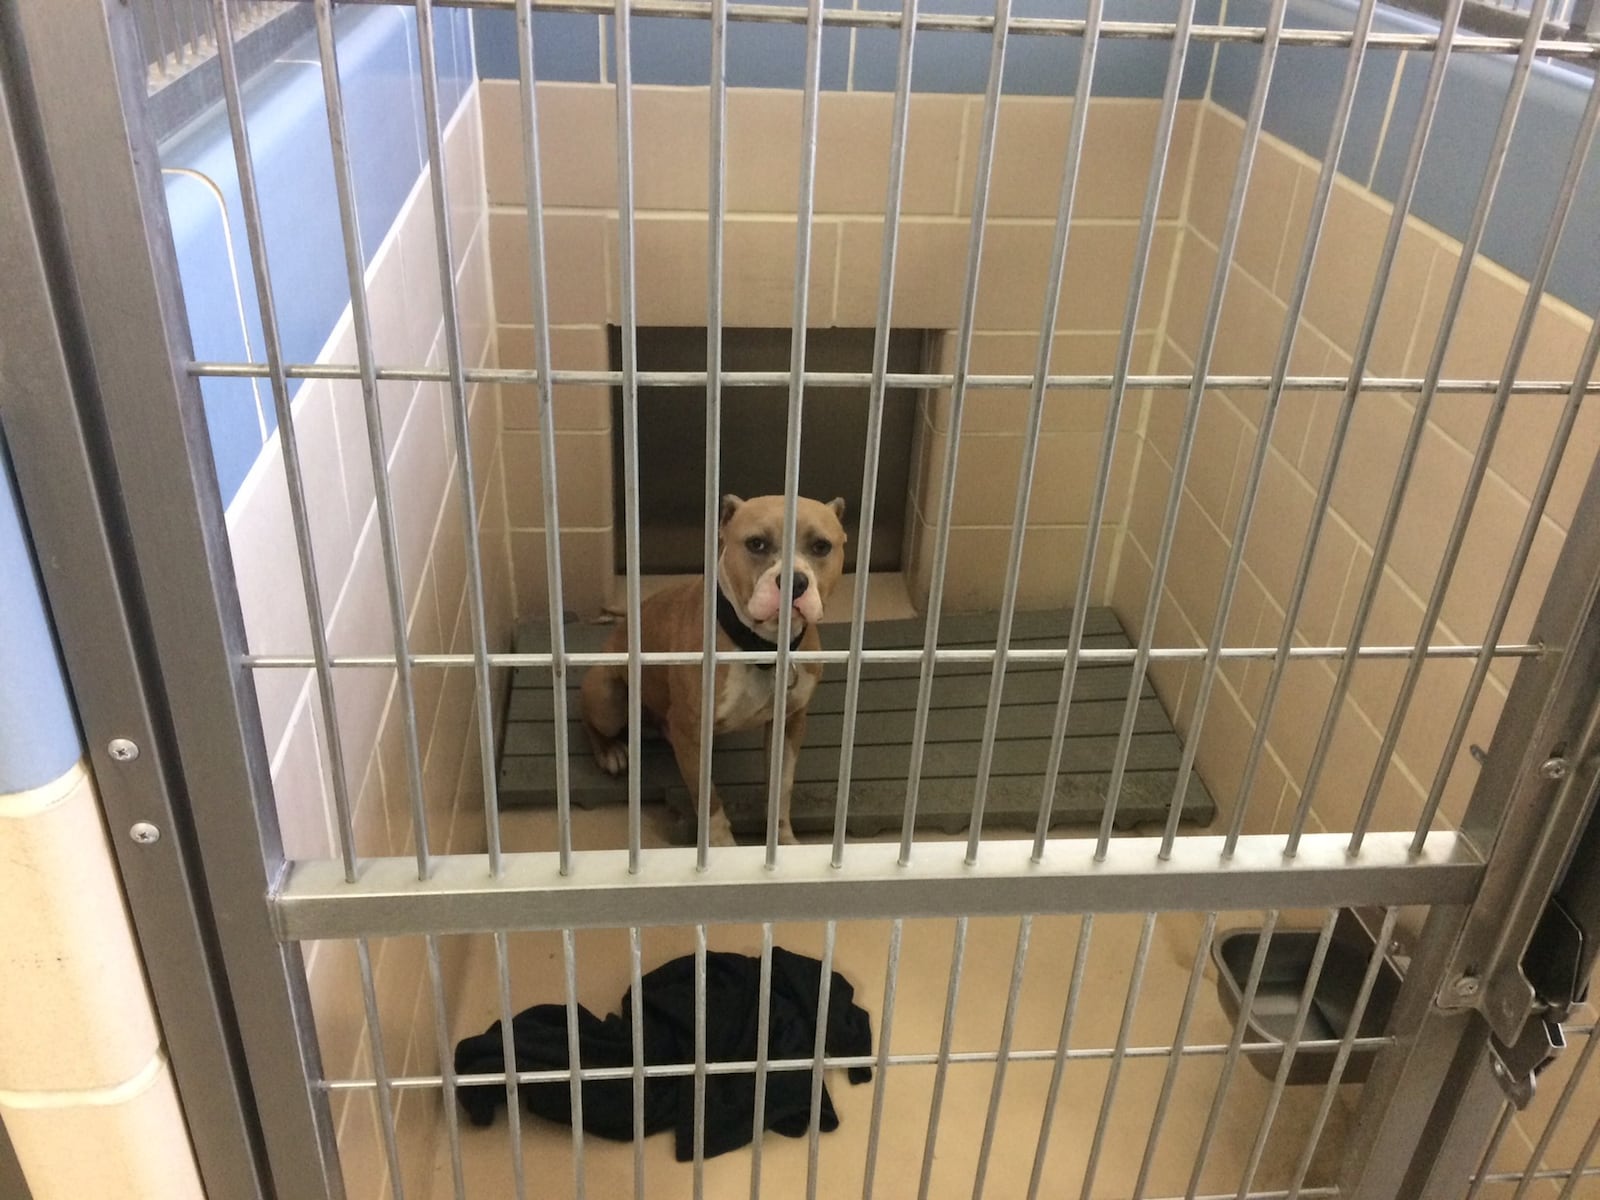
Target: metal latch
[1557, 965]
[1517, 1067]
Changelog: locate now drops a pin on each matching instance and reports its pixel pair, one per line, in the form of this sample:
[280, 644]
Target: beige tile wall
[424, 475]
[577, 131]
[1267, 258]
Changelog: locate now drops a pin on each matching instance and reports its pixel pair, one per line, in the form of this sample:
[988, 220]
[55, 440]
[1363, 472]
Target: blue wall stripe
[1306, 83]
[1299, 111]
[380, 74]
[566, 46]
[38, 732]
[669, 51]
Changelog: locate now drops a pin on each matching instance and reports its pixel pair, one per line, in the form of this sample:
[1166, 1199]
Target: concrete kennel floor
[860, 954]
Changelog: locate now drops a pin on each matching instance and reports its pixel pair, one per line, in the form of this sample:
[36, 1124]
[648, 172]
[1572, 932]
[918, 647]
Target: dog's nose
[801, 583]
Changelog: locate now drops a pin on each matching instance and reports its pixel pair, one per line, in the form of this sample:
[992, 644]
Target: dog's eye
[821, 548]
[756, 545]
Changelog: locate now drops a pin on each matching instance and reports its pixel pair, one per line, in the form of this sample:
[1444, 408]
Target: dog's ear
[838, 506]
[730, 505]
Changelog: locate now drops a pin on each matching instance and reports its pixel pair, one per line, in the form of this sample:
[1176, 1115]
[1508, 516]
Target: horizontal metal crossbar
[1556, 1173]
[839, 1062]
[1034, 26]
[1173, 381]
[460, 895]
[1018, 657]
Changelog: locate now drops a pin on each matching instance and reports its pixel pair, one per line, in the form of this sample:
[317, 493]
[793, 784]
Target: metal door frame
[92, 306]
[126, 507]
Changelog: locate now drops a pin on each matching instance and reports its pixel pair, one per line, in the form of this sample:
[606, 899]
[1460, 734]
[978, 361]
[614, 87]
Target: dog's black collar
[742, 635]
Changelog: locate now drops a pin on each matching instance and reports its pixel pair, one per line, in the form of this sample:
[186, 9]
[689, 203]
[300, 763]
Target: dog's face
[752, 558]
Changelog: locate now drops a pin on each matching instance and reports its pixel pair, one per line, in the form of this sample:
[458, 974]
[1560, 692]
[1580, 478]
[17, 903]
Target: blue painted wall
[38, 734]
[380, 74]
[576, 48]
[1300, 109]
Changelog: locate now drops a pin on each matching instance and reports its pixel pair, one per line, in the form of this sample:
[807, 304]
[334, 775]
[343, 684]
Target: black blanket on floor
[732, 986]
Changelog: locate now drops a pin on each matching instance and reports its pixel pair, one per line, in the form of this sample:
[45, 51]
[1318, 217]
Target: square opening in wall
[755, 421]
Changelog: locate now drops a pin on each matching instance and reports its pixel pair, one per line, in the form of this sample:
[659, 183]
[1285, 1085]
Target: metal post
[48, 407]
[90, 84]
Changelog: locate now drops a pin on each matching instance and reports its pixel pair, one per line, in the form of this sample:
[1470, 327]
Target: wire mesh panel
[1037, 1055]
[1549, 1147]
[1313, 543]
[1273, 385]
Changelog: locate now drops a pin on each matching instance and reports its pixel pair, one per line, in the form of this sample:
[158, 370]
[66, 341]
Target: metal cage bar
[1316, 220]
[1341, 1059]
[1119, 390]
[891, 981]
[1008, 1029]
[1480, 465]
[1030, 448]
[1219, 1095]
[1432, 90]
[1470, 242]
[958, 950]
[1291, 1047]
[777, 769]
[1191, 993]
[715, 200]
[630, 415]
[636, 991]
[361, 324]
[958, 1058]
[820, 1054]
[575, 1074]
[447, 1070]
[958, 392]
[316, 616]
[700, 1075]
[1207, 340]
[508, 1051]
[538, 280]
[862, 379]
[758, 1120]
[1141, 960]
[380, 1069]
[1058, 1073]
[316, 902]
[1555, 47]
[1104, 657]
[874, 440]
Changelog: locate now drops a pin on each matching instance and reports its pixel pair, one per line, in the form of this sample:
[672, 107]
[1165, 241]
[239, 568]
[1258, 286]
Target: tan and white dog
[749, 569]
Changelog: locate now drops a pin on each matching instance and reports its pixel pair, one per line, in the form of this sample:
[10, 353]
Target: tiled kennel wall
[1298, 115]
[330, 424]
[1253, 317]
[1267, 256]
[577, 140]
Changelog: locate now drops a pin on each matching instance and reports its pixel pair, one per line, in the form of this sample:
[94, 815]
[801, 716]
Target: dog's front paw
[612, 757]
[786, 835]
[721, 832]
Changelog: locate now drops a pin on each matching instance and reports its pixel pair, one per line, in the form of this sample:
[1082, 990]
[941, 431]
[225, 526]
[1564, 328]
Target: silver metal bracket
[1517, 1067]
